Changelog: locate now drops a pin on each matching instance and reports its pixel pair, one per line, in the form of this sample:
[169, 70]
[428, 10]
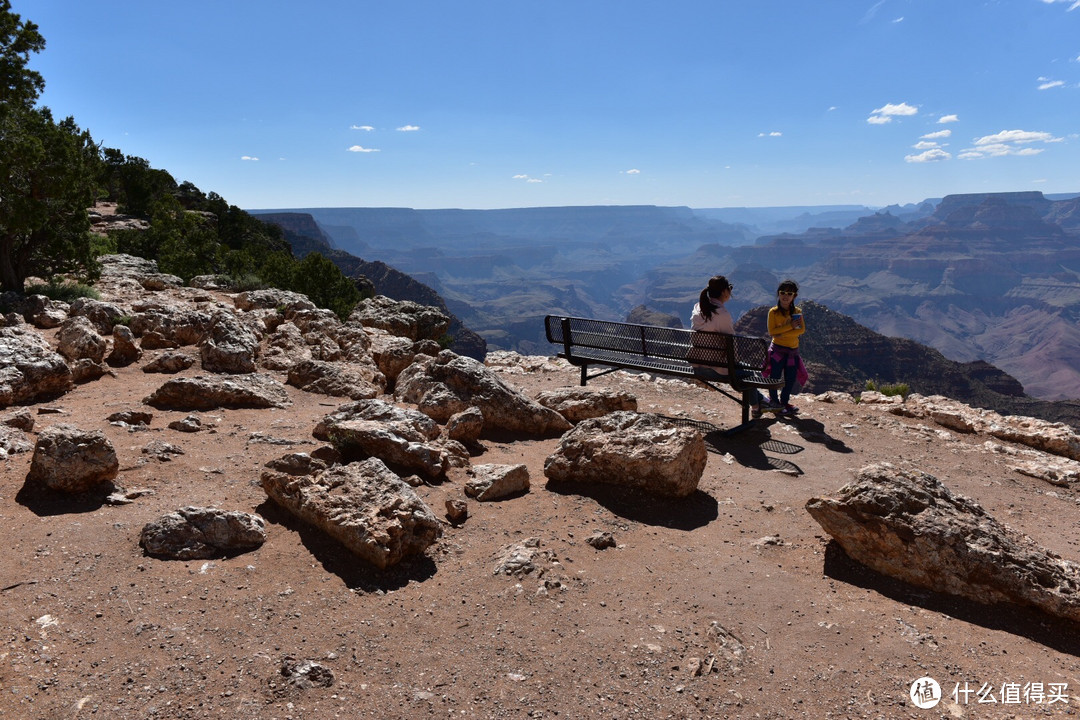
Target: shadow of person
[339, 560]
[1057, 633]
[689, 513]
[813, 431]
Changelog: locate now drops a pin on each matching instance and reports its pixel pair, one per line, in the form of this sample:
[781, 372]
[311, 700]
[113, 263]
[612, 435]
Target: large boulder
[78, 340]
[644, 452]
[495, 482]
[577, 404]
[103, 315]
[401, 437]
[193, 533]
[401, 317]
[42, 312]
[203, 392]
[284, 301]
[124, 350]
[29, 368]
[448, 384]
[907, 525]
[349, 380]
[229, 347]
[163, 324]
[284, 348]
[71, 460]
[363, 505]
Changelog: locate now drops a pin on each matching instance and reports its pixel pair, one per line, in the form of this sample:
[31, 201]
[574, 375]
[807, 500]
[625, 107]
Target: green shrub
[63, 291]
[889, 389]
[247, 281]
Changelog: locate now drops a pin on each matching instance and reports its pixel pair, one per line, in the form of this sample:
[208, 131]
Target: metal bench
[625, 346]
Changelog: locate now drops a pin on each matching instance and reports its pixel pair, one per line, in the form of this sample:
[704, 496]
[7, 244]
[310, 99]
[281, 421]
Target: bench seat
[649, 348]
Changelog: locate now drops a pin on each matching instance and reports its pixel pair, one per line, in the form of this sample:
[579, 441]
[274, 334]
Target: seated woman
[710, 315]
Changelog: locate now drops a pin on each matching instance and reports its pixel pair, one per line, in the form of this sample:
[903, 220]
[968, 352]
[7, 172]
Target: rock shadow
[1056, 633]
[688, 513]
[339, 560]
[44, 503]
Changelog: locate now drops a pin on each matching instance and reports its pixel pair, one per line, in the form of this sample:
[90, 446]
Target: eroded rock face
[645, 452]
[29, 368]
[206, 392]
[71, 460]
[907, 525]
[196, 532]
[577, 404]
[1055, 438]
[448, 384]
[364, 505]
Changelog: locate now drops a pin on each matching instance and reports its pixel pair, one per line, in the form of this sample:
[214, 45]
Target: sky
[529, 103]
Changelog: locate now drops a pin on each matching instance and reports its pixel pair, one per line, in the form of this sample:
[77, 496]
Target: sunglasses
[786, 292]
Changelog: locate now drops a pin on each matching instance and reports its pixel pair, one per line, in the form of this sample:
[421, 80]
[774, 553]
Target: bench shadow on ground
[339, 560]
[1056, 633]
[747, 447]
[812, 431]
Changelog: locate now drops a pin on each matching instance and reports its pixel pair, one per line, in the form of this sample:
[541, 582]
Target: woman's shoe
[789, 409]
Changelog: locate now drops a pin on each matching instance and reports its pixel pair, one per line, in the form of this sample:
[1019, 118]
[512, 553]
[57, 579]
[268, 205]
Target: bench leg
[584, 374]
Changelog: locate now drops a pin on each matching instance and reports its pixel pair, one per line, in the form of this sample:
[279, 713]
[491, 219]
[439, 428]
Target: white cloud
[925, 145]
[365, 128]
[534, 180]
[774, 133]
[934, 155]
[1073, 4]
[633, 171]
[948, 119]
[886, 113]
[249, 157]
[521, 177]
[1019, 137]
[1008, 142]
[1047, 83]
[408, 128]
[898, 20]
[936, 135]
[359, 149]
[527, 178]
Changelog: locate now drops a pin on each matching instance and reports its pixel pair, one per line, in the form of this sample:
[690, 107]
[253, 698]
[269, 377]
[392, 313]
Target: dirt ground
[729, 604]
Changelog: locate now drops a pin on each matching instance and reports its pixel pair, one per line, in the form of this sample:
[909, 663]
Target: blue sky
[522, 103]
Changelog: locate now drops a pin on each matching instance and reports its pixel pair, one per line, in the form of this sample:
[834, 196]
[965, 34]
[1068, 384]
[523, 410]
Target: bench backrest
[710, 348]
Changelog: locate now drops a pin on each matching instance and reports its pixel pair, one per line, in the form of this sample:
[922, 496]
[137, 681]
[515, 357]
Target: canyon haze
[992, 277]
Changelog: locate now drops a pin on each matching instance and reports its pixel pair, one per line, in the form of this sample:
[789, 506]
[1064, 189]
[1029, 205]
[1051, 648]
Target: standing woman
[785, 326]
